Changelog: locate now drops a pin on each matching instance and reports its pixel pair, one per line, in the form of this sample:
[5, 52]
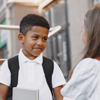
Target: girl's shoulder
[88, 61]
[88, 64]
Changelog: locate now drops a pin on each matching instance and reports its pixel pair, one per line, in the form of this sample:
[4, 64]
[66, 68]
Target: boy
[33, 36]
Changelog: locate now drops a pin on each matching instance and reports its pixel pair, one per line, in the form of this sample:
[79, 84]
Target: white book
[25, 94]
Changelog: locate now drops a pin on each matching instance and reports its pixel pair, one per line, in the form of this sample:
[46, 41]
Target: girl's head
[91, 32]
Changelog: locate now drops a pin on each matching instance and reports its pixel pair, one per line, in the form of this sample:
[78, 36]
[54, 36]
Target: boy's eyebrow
[34, 34]
[38, 35]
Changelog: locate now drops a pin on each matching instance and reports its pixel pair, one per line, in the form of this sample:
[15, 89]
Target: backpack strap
[48, 67]
[13, 65]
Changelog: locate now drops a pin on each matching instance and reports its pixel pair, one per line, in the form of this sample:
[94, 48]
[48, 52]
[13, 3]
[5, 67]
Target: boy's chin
[36, 55]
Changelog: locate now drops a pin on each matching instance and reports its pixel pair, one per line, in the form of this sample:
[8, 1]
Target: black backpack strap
[48, 67]
[13, 65]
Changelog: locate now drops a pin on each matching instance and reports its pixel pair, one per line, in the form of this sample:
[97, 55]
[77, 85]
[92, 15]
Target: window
[96, 1]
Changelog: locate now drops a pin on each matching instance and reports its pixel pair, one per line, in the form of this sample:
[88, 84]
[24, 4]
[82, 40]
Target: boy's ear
[21, 38]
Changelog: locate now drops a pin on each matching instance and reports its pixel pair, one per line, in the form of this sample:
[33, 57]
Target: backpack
[13, 65]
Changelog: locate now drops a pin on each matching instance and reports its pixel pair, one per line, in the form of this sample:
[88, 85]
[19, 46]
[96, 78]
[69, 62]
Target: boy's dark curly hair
[31, 20]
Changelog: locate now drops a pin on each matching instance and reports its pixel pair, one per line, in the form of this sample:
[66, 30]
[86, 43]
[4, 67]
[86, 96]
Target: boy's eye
[35, 37]
[45, 39]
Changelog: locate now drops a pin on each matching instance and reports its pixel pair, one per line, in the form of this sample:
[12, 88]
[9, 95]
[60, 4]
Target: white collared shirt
[31, 75]
[85, 81]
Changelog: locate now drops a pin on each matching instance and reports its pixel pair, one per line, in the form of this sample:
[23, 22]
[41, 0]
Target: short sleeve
[5, 75]
[57, 77]
[82, 82]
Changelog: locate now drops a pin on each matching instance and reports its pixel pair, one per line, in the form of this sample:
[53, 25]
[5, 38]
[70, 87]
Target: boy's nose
[40, 42]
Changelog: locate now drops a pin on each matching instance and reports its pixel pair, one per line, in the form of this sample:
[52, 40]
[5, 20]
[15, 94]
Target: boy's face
[34, 42]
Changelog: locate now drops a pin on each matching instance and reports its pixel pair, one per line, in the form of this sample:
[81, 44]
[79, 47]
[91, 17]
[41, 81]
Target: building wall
[76, 10]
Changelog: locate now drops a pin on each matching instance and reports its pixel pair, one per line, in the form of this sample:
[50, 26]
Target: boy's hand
[57, 93]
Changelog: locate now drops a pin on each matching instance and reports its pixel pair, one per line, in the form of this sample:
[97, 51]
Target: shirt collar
[38, 59]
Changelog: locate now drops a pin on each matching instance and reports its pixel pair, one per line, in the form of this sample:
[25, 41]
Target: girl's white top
[85, 81]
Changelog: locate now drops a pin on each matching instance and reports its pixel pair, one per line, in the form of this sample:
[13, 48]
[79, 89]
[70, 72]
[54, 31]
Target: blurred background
[64, 46]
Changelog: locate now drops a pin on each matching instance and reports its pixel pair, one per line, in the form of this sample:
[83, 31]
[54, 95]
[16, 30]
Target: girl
[84, 83]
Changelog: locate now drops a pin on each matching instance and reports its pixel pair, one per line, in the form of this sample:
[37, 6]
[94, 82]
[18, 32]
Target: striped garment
[85, 81]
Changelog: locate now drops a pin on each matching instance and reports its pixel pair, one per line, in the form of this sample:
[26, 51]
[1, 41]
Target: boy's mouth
[38, 49]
